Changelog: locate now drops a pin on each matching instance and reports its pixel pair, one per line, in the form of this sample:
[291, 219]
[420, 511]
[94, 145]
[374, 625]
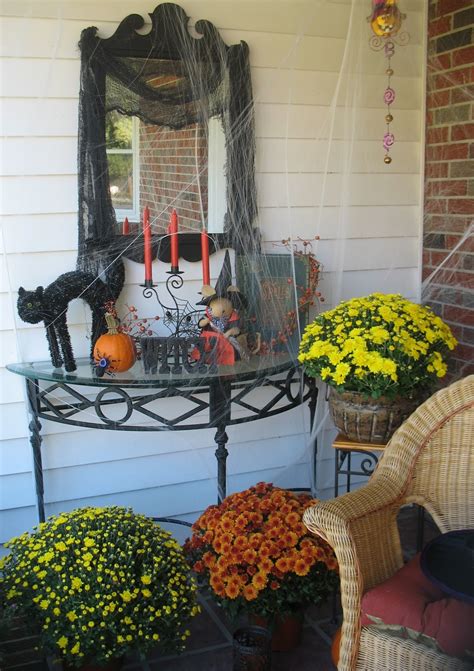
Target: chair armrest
[361, 526]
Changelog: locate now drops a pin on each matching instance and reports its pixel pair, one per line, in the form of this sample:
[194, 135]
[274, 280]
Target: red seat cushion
[409, 605]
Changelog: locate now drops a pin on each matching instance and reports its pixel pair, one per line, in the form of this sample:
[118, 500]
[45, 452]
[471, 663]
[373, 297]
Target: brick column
[449, 184]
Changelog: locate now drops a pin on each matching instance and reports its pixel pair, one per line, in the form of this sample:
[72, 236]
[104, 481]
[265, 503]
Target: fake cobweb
[328, 206]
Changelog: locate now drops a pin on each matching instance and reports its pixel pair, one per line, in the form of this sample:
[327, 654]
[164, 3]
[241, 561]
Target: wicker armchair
[429, 461]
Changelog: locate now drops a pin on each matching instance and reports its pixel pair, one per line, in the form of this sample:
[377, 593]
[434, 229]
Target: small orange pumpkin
[114, 351]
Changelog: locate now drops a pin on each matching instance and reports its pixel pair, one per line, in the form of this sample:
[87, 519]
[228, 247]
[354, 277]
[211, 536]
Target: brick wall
[449, 184]
[168, 174]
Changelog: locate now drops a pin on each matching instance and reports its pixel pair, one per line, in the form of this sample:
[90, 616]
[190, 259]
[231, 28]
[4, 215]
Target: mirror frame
[169, 38]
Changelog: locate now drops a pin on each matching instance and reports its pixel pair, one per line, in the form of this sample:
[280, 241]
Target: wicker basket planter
[369, 420]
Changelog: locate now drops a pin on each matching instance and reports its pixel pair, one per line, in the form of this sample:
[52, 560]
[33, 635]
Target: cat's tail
[106, 266]
[114, 278]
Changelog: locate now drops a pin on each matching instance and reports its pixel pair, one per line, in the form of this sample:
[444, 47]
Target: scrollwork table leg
[219, 416]
[221, 453]
[35, 441]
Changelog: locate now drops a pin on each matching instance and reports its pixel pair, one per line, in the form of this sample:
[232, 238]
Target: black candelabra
[182, 348]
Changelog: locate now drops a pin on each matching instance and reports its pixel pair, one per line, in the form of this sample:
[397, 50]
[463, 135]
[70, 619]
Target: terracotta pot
[113, 665]
[287, 630]
[335, 646]
[369, 420]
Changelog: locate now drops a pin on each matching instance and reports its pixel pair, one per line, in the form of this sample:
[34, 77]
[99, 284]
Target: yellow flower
[62, 642]
[146, 579]
[341, 372]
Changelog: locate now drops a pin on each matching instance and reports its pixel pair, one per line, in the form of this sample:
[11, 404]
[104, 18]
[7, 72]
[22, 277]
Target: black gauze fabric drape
[121, 73]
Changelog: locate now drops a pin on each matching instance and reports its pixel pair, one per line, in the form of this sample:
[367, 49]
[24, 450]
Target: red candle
[206, 279]
[147, 244]
[173, 231]
[125, 227]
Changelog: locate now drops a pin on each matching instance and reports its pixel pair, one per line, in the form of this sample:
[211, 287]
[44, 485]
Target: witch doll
[221, 324]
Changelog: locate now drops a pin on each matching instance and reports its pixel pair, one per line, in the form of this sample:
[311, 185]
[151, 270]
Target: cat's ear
[21, 292]
[39, 291]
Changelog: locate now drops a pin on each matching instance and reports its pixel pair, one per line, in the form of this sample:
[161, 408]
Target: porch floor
[209, 647]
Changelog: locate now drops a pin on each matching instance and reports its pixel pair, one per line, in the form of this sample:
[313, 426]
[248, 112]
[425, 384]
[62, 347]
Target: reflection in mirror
[163, 168]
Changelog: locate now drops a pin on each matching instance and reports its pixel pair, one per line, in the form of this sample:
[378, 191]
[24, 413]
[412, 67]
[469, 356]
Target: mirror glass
[163, 168]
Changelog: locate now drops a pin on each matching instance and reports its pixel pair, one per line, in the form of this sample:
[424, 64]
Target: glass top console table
[135, 401]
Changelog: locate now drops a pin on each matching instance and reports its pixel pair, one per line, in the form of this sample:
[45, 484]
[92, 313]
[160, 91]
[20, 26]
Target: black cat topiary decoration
[50, 306]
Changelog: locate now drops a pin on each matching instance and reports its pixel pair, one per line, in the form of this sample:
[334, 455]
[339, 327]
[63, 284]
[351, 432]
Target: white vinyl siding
[296, 49]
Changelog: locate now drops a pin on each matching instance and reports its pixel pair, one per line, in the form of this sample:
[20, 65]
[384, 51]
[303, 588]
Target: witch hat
[224, 280]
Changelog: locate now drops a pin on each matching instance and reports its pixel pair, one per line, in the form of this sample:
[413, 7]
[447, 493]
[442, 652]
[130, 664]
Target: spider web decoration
[184, 320]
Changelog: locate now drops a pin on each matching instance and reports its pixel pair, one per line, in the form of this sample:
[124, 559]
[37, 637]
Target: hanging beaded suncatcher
[386, 21]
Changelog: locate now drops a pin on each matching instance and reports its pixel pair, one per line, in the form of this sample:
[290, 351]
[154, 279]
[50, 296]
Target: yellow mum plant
[256, 555]
[97, 583]
[380, 344]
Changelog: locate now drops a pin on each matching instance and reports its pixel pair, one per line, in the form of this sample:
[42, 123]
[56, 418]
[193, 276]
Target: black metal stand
[344, 458]
[216, 395]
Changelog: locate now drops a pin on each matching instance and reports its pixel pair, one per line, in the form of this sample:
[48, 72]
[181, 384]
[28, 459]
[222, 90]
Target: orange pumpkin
[114, 351]
[335, 645]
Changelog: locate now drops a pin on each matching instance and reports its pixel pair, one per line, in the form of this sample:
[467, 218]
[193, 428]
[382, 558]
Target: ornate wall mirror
[166, 121]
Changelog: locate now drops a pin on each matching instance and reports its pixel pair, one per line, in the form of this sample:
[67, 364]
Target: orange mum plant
[255, 554]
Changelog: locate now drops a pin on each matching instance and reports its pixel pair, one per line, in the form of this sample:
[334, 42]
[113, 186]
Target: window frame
[132, 214]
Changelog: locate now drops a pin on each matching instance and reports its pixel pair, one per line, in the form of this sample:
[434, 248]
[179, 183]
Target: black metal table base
[215, 398]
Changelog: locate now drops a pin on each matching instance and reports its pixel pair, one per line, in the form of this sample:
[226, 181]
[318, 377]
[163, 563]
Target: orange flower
[232, 588]
[283, 564]
[249, 556]
[226, 538]
[302, 567]
[265, 564]
[241, 542]
[291, 539]
[241, 522]
[259, 581]
[331, 563]
[281, 543]
[222, 564]
[226, 523]
[319, 554]
[300, 529]
[256, 540]
[265, 550]
[292, 518]
[217, 584]
[274, 585]
[276, 531]
[273, 520]
[198, 567]
[249, 592]
[208, 559]
[236, 555]
[255, 518]
[251, 570]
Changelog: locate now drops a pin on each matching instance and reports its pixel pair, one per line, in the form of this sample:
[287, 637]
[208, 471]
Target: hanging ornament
[386, 21]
